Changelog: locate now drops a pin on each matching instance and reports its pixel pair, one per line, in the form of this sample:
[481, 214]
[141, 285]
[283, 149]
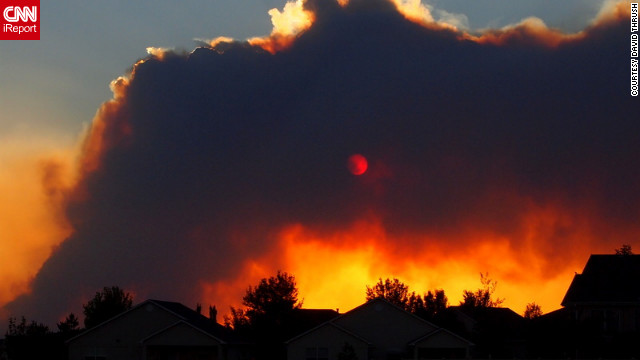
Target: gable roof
[315, 315]
[336, 321]
[182, 314]
[328, 323]
[441, 331]
[179, 323]
[497, 320]
[606, 279]
[383, 301]
[196, 319]
[495, 314]
[305, 319]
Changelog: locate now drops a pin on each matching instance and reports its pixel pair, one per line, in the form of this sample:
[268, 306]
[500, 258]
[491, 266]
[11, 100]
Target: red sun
[357, 164]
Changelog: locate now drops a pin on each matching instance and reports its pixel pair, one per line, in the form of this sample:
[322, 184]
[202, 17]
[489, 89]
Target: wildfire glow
[333, 269]
[334, 266]
[334, 272]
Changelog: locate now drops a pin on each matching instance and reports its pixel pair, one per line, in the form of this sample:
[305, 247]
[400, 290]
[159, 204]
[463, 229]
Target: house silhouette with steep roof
[607, 293]
[377, 330]
[157, 329]
[600, 317]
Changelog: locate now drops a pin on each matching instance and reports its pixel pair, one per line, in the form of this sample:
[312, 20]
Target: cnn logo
[14, 13]
[20, 20]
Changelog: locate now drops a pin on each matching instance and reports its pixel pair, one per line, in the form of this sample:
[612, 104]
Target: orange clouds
[530, 31]
[287, 24]
[333, 268]
[533, 31]
[33, 176]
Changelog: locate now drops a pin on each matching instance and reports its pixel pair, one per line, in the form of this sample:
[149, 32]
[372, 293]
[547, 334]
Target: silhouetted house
[602, 306]
[157, 329]
[377, 330]
[553, 335]
[607, 293]
[498, 332]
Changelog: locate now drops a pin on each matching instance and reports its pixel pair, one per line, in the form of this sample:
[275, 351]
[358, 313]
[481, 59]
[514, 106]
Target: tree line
[267, 316]
[32, 339]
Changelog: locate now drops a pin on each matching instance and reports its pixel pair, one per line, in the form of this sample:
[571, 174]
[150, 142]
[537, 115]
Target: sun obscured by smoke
[224, 164]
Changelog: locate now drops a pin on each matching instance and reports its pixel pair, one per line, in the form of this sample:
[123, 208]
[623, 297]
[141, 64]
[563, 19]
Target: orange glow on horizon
[334, 272]
[333, 269]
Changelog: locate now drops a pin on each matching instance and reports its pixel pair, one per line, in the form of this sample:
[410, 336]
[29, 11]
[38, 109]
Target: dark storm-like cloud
[203, 157]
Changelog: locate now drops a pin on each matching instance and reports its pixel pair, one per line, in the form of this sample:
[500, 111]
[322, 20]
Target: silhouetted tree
[429, 305]
[434, 307]
[23, 329]
[15, 328]
[415, 304]
[106, 304]
[482, 297]
[532, 311]
[33, 340]
[268, 314]
[394, 291]
[272, 297]
[624, 250]
[70, 324]
[435, 302]
[237, 320]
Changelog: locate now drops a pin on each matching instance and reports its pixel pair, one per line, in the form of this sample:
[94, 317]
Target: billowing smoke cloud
[31, 177]
[513, 151]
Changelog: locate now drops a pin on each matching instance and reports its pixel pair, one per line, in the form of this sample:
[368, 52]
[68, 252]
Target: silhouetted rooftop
[184, 314]
[497, 317]
[606, 279]
[315, 316]
[198, 320]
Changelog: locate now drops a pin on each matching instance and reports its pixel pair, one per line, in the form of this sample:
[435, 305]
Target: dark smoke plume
[202, 158]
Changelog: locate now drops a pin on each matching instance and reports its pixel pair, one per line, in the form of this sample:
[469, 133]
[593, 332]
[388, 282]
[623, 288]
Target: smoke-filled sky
[494, 143]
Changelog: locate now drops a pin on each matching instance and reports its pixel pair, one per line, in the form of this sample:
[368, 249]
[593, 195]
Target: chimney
[213, 314]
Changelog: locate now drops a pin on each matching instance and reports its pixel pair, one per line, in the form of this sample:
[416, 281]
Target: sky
[495, 143]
